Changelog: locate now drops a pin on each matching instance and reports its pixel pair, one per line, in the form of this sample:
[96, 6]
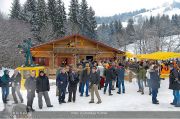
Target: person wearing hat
[16, 86]
[94, 81]
[42, 88]
[5, 86]
[174, 84]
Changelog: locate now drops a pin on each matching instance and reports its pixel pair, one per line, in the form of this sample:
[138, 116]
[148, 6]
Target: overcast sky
[103, 7]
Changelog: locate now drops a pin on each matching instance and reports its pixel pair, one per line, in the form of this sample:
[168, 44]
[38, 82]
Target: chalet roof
[81, 36]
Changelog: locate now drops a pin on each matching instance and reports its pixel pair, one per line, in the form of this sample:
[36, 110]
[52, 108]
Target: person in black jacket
[114, 74]
[154, 83]
[42, 88]
[94, 81]
[174, 84]
[73, 81]
[61, 82]
[30, 85]
[85, 79]
[108, 73]
[16, 86]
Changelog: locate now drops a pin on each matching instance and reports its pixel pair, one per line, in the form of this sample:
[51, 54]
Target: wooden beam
[53, 57]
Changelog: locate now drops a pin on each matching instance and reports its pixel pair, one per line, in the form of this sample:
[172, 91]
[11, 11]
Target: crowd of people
[91, 77]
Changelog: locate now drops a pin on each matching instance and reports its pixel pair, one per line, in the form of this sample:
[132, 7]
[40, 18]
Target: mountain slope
[168, 8]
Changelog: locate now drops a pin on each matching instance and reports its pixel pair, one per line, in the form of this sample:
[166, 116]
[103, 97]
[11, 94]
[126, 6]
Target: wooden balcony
[75, 50]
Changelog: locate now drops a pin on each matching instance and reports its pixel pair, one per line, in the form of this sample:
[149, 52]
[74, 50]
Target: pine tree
[60, 19]
[64, 13]
[112, 29]
[84, 17]
[15, 10]
[92, 24]
[117, 26]
[29, 10]
[130, 31]
[35, 28]
[41, 13]
[74, 16]
[52, 12]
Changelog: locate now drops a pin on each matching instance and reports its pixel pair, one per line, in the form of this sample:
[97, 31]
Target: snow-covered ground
[131, 101]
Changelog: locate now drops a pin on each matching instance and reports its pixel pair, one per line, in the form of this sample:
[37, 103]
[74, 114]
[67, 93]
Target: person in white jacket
[148, 78]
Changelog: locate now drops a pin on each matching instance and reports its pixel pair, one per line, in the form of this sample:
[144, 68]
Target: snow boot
[50, 106]
[91, 102]
[142, 93]
[172, 103]
[156, 103]
[99, 102]
[118, 92]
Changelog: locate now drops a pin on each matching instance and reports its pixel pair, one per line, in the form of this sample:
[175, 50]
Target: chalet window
[64, 61]
[42, 61]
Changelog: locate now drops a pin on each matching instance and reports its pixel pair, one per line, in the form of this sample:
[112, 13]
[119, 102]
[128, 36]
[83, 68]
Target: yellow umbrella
[129, 55]
[159, 55]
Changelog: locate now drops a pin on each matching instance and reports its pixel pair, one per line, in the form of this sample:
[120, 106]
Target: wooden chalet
[71, 50]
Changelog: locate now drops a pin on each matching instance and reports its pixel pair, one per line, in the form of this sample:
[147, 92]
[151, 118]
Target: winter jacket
[141, 73]
[5, 79]
[121, 73]
[154, 81]
[85, 75]
[62, 80]
[42, 84]
[73, 79]
[108, 73]
[148, 74]
[94, 78]
[173, 84]
[30, 85]
[114, 73]
[16, 79]
[101, 70]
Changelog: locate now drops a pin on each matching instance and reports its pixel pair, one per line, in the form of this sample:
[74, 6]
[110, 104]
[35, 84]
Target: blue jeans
[62, 93]
[121, 82]
[177, 97]
[139, 84]
[154, 95]
[87, 87]
[5, 93]
[106, 85]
